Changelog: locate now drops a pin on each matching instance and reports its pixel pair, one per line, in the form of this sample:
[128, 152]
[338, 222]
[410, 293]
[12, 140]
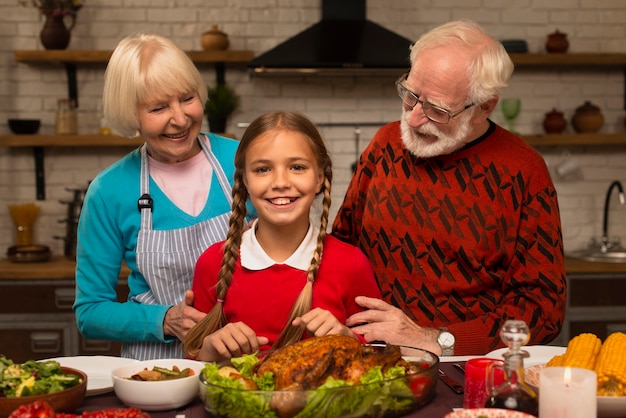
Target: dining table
[444, 401]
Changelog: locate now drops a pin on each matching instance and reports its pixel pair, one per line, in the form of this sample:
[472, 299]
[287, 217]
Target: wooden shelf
[587, 139]
[569, 60]
[17, 141]
[102, 57]
[68, 141]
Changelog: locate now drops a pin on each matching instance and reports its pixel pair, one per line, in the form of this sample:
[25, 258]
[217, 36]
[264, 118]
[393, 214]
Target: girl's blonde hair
[274, 121]
[143, 66]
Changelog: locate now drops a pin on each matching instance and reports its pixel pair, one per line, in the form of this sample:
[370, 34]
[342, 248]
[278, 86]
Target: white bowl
[160, 395]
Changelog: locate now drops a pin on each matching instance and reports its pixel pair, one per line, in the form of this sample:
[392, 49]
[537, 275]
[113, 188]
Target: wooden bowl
[67, 400]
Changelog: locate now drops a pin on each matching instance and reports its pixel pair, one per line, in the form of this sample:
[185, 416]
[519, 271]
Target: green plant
[221, 102]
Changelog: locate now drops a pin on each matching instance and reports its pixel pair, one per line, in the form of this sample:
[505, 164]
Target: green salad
[378, 394]
[33, 378]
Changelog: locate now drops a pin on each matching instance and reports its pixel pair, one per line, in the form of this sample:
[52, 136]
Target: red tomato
[420, 385]
[116, 413]
[38, 409]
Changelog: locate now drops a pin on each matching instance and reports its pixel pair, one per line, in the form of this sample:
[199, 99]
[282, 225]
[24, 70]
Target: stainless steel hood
[344, 42]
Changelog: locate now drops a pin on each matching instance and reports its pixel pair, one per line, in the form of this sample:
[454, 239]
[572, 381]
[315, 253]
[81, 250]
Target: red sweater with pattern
[465, 240]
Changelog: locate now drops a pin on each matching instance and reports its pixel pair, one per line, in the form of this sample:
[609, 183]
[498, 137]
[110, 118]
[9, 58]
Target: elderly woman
[158, 208]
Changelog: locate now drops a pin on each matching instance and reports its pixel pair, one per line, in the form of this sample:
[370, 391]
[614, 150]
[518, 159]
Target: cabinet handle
[96, 345]
[45, 342]
[64, 297]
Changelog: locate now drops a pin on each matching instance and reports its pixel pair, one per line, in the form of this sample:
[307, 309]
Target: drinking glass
[510, 109]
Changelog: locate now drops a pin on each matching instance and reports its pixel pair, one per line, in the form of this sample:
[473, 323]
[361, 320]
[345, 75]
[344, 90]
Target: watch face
[446, 339]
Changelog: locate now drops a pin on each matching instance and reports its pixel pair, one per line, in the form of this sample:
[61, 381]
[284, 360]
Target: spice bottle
[514, 393]
[66, 122]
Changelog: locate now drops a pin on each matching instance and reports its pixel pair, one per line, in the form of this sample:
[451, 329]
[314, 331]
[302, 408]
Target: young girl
[268, 284]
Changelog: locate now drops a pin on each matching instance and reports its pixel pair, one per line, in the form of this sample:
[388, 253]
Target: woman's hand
[320, 322]
[232, 340]
[180, 318]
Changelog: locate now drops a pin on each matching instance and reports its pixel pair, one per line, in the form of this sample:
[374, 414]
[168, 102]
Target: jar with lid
[514, 393]
[557, 42]
[66, 121]
[554, 122]
[587, 118]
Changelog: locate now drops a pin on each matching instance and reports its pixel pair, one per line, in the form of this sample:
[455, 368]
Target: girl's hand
[233, 340]
[320, 322]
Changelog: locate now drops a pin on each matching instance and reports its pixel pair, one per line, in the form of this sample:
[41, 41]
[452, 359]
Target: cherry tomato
[420, 385]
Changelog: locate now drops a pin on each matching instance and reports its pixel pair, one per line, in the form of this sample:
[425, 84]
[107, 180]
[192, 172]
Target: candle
[475, 392]
[567, 392]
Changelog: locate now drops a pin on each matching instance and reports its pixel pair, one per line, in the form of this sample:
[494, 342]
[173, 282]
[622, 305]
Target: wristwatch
[446, 341]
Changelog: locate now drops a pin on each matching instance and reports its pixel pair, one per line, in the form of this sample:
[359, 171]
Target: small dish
[159, 395]
[24, 126]
[28, 253]
[487, 412]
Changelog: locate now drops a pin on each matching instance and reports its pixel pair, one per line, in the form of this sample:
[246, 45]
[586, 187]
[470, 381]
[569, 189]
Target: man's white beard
[442, 145]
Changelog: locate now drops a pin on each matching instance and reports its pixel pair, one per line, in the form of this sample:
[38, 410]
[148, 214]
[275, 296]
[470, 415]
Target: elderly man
[458, 216]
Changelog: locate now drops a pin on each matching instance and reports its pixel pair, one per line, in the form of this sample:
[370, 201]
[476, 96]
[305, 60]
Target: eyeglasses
[431, 111]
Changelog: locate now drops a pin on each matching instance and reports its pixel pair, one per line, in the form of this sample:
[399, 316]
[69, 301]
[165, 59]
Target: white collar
[253, 257]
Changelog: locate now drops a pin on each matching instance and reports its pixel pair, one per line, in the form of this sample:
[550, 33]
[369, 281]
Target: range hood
[344, 42]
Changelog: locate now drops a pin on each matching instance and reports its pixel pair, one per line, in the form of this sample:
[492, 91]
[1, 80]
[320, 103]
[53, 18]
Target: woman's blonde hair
[143, 66]
[274, 121]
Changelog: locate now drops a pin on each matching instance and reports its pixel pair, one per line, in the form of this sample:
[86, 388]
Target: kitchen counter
[61, 268]
[58, 267]
[574, 265]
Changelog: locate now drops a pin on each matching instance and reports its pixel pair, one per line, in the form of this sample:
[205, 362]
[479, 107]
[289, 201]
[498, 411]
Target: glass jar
[66, 121]
[514, 393]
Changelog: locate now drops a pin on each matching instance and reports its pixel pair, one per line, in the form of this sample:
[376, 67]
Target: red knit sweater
[465, 240]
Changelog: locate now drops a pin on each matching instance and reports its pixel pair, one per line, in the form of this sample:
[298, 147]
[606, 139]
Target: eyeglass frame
[400, 88]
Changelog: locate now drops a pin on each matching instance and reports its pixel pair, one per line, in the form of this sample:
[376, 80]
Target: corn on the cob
[556, 361]
[611, 366]
[582, 351]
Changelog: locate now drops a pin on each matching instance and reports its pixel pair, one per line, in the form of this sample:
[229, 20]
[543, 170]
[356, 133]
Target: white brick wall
[257, 25]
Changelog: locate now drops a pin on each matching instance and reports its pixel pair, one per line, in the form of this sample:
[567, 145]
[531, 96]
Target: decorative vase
[54, 34]
[214, 40]
[554, 122]
[557, 42]
[587, 118]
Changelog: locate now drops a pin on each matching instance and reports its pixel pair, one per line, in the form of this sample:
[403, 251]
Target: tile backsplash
[349, 109]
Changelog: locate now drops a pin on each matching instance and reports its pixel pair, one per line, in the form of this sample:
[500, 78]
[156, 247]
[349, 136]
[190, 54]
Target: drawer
[40, 297]
[24, 338]
[597, 292]
[601, 328]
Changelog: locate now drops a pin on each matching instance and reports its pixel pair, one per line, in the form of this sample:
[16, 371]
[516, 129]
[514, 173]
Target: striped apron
[167, 259]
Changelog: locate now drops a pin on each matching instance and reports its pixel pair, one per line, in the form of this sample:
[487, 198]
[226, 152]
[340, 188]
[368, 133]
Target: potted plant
[221, 102]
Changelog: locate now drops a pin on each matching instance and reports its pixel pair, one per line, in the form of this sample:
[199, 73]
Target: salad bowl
[384, 397]
[66, 400]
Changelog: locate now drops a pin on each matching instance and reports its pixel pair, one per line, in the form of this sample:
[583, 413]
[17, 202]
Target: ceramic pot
[554, 122]
[55, 34]
[557, 42]
[214, 40]
[587, 118]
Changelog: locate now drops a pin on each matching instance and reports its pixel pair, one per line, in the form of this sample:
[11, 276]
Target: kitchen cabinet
[595, 299]
[36, 317]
